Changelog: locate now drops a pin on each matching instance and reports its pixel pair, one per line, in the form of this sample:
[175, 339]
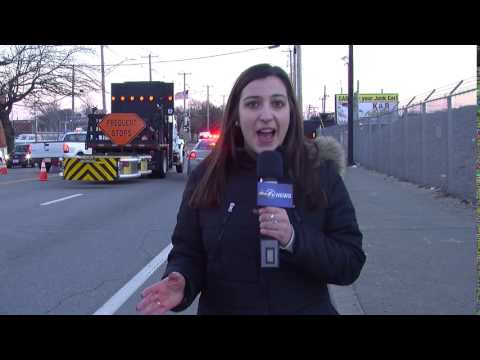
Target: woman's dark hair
[211, 186]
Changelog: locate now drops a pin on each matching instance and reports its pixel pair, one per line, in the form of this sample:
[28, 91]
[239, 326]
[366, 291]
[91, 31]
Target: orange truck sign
[122, 128]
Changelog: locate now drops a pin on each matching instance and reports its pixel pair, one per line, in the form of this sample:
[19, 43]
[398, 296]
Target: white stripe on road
[62, 199]
[122, 295]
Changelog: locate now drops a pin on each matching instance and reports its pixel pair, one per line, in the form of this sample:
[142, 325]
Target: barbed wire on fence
[466, 85]
[438, 103]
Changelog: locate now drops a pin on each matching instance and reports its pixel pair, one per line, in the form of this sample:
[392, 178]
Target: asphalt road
[70, 257]
[73, 256]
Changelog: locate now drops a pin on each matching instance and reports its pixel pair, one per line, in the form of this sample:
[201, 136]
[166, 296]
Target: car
[21, 156]
[199, 152]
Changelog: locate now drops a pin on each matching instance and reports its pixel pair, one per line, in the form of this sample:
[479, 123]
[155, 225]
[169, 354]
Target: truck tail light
[192, 155]
[66, 148]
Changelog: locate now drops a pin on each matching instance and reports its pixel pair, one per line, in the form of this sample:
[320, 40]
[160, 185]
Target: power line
[180, 60]
[113, 52]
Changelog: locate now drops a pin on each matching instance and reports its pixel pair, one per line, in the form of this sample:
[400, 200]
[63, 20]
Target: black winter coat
[219, 254]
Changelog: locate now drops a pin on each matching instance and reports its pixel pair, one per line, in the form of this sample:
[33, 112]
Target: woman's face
[264, 114]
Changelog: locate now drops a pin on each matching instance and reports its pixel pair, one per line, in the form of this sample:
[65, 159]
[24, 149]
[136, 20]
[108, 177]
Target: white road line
[62, 199]
[122, 295]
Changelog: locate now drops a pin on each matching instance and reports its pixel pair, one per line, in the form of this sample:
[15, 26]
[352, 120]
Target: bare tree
[50, 116]
[87, 106]
[36, 73]
[198, 113]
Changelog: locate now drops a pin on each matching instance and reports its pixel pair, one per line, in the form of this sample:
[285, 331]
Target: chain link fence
[430, 143]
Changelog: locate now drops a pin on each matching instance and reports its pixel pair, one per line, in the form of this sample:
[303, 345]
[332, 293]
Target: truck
[138, 138]
[53, 152]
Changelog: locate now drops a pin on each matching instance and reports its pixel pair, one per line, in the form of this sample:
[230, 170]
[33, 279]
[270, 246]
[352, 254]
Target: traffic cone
[43, 176]
[3, 167]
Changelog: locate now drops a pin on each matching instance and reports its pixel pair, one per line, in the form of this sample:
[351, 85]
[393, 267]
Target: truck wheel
[161, 171]
[179, 168]
[47, 167]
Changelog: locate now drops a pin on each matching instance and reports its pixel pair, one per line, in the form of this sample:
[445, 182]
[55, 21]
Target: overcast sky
[403, 69]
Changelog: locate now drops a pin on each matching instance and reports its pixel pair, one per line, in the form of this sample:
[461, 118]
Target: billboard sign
[368, 105]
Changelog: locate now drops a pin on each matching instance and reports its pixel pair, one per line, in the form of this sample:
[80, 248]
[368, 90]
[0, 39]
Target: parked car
[199, 152]
[21, 156]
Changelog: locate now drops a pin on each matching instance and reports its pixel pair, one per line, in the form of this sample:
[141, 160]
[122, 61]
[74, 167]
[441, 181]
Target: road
[70, 257]
[69, 247]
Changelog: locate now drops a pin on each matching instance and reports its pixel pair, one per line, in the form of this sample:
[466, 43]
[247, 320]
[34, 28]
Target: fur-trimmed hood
[328, 148]
[323, 148]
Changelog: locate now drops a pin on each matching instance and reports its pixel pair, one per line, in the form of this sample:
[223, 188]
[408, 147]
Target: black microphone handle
[269, 247]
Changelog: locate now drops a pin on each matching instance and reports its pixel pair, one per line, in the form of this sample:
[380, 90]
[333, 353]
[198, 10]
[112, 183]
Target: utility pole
[184, 97]
[294, 70]
[299, 77]
[73, 92]
[290, 61]
[324, 98]
[35, 112]
[289, 51]
[149, 64]
[350, 106]
[355, 102]
[104, 103]
[208, 108]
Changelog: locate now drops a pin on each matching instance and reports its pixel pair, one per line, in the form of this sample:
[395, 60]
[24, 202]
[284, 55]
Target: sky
[409, 70]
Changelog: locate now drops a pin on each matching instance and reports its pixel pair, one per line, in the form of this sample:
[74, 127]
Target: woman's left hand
[274, 223]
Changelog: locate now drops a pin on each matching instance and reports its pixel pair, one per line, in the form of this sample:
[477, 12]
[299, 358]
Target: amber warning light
[122, 128]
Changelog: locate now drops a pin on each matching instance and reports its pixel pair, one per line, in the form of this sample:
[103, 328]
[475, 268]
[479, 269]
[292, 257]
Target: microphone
[269, 170]
[270, 166]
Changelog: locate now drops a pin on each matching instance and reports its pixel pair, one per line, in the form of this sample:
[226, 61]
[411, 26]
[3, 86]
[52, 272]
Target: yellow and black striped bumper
[90, 169]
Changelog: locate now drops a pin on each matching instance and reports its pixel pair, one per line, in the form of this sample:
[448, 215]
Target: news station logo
[276, 195]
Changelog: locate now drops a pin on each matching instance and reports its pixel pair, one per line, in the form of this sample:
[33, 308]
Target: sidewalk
[420, 250]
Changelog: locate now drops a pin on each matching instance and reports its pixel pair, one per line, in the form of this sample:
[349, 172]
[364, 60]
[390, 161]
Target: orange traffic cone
[43, 176]
[3, 167]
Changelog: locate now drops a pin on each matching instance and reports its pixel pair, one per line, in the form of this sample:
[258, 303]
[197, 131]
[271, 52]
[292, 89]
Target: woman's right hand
[163, 295]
